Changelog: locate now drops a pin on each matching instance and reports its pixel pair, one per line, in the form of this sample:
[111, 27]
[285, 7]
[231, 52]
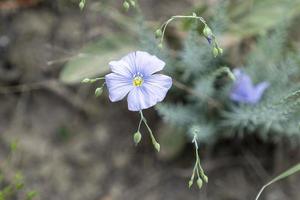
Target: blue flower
[135, 75]
[244, 91]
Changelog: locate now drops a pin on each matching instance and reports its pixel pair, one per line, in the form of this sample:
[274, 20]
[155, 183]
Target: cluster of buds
[208, 34]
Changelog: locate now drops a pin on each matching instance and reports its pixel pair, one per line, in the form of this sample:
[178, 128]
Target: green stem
[154, 142]
[164, 25]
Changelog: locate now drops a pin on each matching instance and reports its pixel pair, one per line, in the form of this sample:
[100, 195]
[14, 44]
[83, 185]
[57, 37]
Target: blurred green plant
[12, 184]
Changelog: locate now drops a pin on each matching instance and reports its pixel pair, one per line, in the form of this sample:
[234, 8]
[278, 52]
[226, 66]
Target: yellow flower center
[137, 81]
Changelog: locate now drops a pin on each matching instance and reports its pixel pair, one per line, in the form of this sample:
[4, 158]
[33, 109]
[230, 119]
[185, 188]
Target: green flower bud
[156, 146]
[207, 31]
[194, 14]
[81, 5]
[98, 91]
[215, 52]
[205, 178]
[133, 4]
[137, 137]
[126, 5]
[220, 51]
[158, 33]
[86, 80]
[199, 183]
[160, 45]
[191, 183]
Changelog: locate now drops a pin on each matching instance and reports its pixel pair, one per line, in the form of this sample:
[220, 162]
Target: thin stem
[140, 123]
[154, 142]
[164, 25]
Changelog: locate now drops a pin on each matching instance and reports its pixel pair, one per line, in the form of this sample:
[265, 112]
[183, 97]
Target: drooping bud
[156, 146]
[220, 51]
[81, 5]
[98, 91]
[191, 183]
[207, 32]
[86, 80]
[137, 137]
[132, 2]
[158, 33]
[160, 46]
[215, 51]
[126, 5]
[205, 178]
[199, 183]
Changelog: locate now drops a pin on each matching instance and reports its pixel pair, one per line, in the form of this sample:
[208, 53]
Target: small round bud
[132, 2]
[137, 137]
[98, 91]
[190, 183]
[194, 14]
[126, 5]
[215, 52]
[81, 5]
[156, 146]
[160, 45]
[207, 31]
[205, 179]
[199, 183]
[220, 51]
[158, 33]
[86, 80]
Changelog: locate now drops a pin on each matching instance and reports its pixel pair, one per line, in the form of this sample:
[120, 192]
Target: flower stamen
[137, 81]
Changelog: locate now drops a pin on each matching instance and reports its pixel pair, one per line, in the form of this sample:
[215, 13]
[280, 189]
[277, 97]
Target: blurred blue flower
[244, 91]
[134, 75]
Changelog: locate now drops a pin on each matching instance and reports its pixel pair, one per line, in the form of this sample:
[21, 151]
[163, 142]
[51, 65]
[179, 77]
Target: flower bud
[132, 2]
[207, 31]
[98, 91]
[86, 80]
[205, 178]
[126, 5]
[215, 51]
[199, 183]
[137, 137]
[81, 5]
[156, 146]
[158, 33]
[220, 51]
[190, 183]
[160, 46]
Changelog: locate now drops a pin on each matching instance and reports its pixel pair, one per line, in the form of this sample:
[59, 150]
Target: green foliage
[12, 184]
[206, 104]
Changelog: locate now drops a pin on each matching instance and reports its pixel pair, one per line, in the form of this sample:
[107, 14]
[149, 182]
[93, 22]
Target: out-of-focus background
[69, 144]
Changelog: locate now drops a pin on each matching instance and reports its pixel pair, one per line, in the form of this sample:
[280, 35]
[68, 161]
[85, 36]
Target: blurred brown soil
[73, 146]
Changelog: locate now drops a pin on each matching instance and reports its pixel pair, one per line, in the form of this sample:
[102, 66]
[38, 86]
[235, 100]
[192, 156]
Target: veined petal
[144, 63]
[118, 86]
[158, 85]
[148, 64]
[139, 99]
[121, 67]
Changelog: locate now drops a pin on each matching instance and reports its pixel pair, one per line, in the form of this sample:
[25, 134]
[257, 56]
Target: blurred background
[58, 141]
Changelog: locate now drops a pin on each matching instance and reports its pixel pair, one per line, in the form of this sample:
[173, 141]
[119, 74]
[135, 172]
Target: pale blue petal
[158, 85]
[143, 63]
[118, 86]
[243, 84]
[121, 67]
[148, 64]
[138, 99]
